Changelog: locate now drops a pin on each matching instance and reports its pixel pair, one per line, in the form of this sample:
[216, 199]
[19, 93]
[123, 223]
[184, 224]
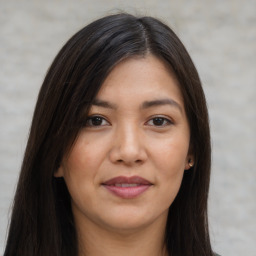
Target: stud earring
[190, 163]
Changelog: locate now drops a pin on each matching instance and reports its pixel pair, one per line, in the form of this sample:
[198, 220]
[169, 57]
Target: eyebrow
[161, 102]
[144, 105]
[104, 104]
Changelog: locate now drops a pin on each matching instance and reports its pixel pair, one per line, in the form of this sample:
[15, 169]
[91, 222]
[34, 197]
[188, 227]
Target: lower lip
[127, 192]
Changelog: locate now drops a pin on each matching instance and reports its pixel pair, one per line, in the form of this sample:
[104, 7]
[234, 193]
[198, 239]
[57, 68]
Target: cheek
[81, 167]
[171, 155]
[79, 173]
[169, 159]
[84, 157]
[76, 167]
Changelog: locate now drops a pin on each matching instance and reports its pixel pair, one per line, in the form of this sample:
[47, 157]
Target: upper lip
[127, 180]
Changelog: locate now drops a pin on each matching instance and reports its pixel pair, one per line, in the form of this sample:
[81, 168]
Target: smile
[127, 187]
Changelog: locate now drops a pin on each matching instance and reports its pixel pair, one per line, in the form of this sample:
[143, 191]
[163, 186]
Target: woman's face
[127, 164]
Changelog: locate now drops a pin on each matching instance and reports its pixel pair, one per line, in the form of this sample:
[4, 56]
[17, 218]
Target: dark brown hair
[42, 220]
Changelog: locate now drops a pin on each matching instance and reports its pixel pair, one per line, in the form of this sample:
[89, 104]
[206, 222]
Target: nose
[128, 146]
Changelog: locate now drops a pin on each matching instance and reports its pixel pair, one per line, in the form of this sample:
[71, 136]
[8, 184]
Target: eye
[159, 121]
[96, 121]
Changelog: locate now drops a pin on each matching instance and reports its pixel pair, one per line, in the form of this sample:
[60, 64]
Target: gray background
[221, 37]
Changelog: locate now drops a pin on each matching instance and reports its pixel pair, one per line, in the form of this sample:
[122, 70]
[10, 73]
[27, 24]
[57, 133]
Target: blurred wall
[221, 38]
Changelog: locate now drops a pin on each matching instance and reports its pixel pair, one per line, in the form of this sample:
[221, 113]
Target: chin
[129, 221]
[127, 227]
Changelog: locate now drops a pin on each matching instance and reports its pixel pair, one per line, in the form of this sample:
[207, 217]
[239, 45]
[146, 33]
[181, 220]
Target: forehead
[140, 79]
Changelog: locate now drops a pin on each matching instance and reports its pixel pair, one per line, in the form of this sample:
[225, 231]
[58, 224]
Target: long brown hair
[42, 220]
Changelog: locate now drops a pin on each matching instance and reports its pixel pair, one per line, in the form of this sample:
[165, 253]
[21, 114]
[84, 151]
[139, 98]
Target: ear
[189, 162]
[59, 172]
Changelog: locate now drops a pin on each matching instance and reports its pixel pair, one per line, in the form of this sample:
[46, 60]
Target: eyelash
[167, 121]
[90, 119]
[101, 119]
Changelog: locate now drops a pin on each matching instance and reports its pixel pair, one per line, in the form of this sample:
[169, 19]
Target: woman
[118, 157]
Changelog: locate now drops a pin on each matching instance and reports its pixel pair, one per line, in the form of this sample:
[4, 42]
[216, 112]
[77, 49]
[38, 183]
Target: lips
[127, 187]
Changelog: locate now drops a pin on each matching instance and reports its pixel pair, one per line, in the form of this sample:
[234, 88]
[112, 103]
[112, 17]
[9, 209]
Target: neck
[148, 241]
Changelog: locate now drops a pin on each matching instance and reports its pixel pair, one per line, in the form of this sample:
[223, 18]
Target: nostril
[127, 154]
[129, 162]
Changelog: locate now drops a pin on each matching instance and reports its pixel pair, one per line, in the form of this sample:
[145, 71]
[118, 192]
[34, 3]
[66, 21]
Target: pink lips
[127, 187]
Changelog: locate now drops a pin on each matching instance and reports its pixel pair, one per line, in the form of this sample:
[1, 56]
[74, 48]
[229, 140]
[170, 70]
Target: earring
[190, 163]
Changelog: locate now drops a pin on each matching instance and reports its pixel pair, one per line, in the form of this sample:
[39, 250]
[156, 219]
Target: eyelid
[90, 117]
[165, 118]
[168, 119]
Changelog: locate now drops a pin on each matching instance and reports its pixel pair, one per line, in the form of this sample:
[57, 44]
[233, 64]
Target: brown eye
[159, 121]
[96, 121]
